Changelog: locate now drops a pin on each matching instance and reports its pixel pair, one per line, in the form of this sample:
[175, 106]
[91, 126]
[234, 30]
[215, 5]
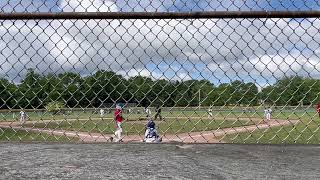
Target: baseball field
[177, 125]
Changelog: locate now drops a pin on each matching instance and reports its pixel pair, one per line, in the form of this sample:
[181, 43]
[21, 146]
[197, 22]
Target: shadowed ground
[158, 161]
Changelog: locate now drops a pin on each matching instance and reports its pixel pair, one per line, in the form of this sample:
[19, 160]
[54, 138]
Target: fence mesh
[208, 80]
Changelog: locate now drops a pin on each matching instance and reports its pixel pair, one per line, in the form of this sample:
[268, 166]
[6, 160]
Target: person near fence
[118, 120]
[158, 113]
[318, 109]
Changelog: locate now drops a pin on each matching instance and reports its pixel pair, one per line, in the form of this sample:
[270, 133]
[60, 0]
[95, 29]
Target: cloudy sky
[220, 50]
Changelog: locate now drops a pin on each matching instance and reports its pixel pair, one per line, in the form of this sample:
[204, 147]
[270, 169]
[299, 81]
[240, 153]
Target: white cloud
[255, 49]
[88, 6]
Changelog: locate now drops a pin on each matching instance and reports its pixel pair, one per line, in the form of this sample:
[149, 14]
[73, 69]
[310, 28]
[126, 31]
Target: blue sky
[221, 51]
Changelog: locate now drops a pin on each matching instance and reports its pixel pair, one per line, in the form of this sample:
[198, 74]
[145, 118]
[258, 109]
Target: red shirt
[318, 107]
[117, 115]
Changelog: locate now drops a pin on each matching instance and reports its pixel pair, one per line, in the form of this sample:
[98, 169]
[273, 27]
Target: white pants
[118, 132]
[22, 119]
[149, 139]
[146, 133]
[268, 116]
[152, 140]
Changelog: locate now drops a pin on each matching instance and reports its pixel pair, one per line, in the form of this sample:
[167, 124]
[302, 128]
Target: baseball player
[267, 114]
[147, 111]
[101, 112]
[210, 113]
[23, 116]
[118, 120]
[318, 109]
[158, 113]
[151, 135]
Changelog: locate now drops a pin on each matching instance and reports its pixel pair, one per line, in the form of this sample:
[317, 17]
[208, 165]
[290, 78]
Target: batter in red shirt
[118, 120]
[318, 109]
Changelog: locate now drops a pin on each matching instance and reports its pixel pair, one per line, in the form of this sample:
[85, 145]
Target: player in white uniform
[101, 112]
[210, 113]
[23, 116]
[148, 112]
[267, 114]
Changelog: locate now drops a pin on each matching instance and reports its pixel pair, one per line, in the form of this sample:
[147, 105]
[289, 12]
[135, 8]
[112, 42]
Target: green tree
[7, 90]
[224, 92]
[72, 89]
[162, 93]
[250, 94]
[141, 89]
[29, 91]
[208, 93]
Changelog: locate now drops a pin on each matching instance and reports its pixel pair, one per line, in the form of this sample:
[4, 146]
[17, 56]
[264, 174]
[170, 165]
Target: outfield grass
[170, 126]
[11, 135]
[305, 132]
[177, 114]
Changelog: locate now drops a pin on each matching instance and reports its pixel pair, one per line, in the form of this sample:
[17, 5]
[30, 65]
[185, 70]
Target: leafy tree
[224, 92]
[30, 90]
[72, 89]
[38, 91]
[250, 94]
[208, 93]
[6, 93]
[162, 93]
[141, 89]
[184, 95]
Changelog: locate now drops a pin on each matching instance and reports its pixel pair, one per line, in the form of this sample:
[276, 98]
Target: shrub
[55, 107]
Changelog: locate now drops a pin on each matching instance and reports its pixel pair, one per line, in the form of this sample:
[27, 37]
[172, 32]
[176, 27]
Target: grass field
[170, 126]
[11, 135]
[305, 132]
[10, 116]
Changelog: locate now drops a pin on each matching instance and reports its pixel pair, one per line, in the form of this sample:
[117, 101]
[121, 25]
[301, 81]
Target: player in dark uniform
[158, 113]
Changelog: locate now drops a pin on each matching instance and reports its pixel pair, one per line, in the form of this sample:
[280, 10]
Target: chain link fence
[180, 71]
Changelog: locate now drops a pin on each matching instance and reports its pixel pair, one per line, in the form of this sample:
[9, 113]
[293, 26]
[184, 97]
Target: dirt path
[192, 137]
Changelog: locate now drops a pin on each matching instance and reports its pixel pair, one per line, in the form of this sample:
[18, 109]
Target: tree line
[73, 90]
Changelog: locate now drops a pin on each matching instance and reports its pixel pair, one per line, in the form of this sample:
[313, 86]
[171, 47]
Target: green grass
[11, 135]
[8, 116]
[48, 116]
[170, 126]
[305, 132]
[182, 126]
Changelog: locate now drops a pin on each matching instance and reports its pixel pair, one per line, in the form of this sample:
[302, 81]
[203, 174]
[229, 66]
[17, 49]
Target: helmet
[118, 107]
[151, 124]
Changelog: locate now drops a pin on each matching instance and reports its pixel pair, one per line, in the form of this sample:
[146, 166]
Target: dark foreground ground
[158, 161]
